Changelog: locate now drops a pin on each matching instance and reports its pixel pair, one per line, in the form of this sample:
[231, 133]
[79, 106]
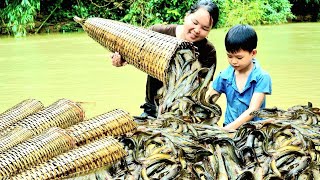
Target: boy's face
[241, 60]
[197, 25]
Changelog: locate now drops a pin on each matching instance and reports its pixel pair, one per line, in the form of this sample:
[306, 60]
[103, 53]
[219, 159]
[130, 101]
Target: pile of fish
[185, 142]
[277, 148]
[284, 146]
[184, 95]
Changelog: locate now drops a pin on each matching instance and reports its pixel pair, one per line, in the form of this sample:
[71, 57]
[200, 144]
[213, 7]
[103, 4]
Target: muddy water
[48, 67]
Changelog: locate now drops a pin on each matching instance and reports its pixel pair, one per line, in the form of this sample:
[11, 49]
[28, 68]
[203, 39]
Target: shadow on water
[52, 66]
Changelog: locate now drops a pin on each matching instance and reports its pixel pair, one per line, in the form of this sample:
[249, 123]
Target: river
[49, 67]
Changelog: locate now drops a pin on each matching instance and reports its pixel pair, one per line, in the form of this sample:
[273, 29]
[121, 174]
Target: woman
[198, 22]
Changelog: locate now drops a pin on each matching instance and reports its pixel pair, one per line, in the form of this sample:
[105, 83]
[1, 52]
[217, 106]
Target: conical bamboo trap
[19, 112]
[83, 147]
[86, 158]
[113, 123]
[147, 50]
[62, 113]
[34, 151]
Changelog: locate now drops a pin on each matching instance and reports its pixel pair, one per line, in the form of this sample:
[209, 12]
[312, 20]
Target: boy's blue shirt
[237, 102]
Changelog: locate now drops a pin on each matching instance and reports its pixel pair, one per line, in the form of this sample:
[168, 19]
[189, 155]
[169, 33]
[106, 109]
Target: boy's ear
[254, 53]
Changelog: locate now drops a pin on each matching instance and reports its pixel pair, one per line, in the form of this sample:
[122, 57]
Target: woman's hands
[117, 60]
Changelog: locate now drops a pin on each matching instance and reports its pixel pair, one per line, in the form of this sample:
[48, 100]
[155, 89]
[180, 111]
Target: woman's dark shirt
[207, 58]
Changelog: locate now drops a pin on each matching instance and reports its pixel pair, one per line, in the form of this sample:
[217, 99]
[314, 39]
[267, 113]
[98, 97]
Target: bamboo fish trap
[147, 50]
[22, 149]
[34, 151]
[18, 112]
[114, 123]
[82, 160]
[62, 113]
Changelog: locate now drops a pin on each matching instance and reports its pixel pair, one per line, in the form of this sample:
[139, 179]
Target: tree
[18, 15]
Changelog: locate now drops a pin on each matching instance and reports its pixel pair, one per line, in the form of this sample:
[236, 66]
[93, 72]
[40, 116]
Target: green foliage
[276, 12]
[253, 12]
[240, 12]
[85, 9]
[19, 16]
[146, 13]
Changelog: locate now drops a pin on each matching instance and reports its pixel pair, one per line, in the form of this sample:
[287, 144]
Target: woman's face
[197, 25]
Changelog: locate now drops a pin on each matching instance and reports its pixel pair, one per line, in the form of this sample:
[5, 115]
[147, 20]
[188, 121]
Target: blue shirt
[238, 102]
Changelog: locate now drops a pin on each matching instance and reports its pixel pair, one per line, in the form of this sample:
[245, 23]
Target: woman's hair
[208, 5]
[241, 37]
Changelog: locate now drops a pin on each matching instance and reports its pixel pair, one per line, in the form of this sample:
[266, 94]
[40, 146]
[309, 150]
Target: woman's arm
[255, 104]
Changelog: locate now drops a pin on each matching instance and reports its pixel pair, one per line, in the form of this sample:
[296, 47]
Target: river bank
[44, 25]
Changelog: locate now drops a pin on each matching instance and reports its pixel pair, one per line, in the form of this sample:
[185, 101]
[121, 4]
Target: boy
[244, 82]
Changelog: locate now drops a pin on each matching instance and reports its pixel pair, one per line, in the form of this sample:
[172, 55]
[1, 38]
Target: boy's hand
[208, 95]
[211, 96]
[117, 60]
[160, 109]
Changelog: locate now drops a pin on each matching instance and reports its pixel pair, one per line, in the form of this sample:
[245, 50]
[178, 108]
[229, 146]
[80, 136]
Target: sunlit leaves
[19, 15]
[253, 12]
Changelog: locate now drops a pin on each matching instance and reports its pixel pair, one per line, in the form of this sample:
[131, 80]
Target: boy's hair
[241, 37]
[208, 5]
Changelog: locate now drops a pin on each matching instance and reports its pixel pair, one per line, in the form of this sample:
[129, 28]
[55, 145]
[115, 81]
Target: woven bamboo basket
[18, 112]
[17, 135]
[82, 160]
[62, 113]
[147, 50]
[113, 123]
[34, 151]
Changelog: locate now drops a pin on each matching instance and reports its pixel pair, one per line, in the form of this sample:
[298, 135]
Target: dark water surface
[49, 67]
